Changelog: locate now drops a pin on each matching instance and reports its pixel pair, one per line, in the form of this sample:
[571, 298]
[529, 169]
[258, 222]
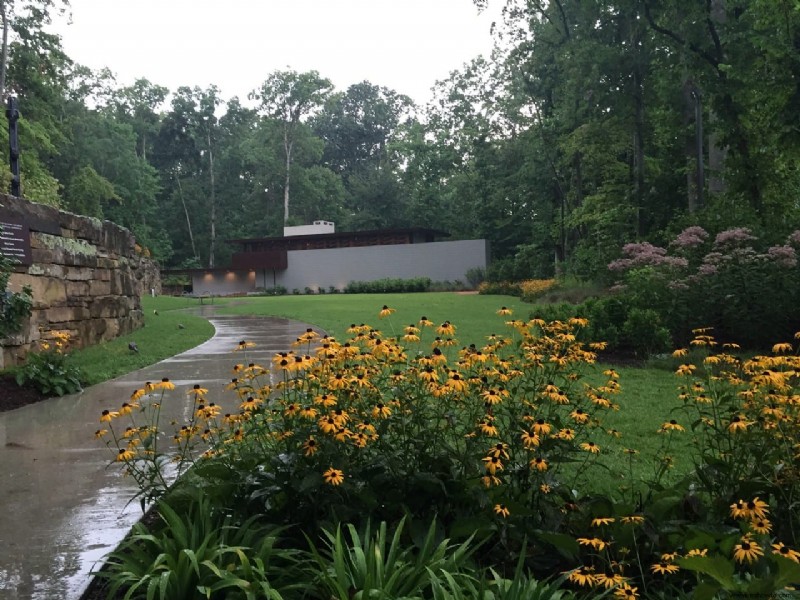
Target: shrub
[720, 281]
[381, 286]
[49, 370]
[476, 276]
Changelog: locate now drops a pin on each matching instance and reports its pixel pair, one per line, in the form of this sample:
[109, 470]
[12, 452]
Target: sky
[405, 45]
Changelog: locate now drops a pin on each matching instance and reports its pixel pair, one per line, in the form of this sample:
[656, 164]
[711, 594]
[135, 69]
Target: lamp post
[12, 112]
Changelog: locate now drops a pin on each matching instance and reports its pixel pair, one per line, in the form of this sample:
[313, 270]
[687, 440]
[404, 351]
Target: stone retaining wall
[87, 278]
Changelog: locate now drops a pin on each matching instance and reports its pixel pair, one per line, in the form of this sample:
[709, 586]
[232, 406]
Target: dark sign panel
[15, 241]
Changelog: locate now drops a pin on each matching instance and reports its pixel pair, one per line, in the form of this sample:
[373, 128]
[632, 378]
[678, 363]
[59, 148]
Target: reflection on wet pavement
[62, 508]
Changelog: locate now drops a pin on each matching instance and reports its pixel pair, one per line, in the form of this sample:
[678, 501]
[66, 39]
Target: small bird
[181, 326]
[133, 347]
[155, 312]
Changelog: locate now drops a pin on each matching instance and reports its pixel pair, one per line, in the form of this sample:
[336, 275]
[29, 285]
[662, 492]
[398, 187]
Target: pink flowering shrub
[748, 291]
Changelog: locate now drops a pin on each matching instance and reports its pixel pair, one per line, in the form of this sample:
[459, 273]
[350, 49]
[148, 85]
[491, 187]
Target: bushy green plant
[198, 552]
[476, 276]
[733, 282]
[49, 369]
[390, 285]
[371, 565]
[15, 307]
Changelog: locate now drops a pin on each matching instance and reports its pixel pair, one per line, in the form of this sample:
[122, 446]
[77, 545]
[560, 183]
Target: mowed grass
[473, 315]
[165, 334]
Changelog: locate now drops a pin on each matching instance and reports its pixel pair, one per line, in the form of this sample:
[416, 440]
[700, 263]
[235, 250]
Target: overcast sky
[405, 45]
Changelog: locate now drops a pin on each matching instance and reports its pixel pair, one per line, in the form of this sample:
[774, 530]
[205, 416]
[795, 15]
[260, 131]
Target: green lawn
[474, 315]
[167, 331]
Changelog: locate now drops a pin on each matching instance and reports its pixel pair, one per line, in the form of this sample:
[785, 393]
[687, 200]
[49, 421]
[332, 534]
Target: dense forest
[593, 124]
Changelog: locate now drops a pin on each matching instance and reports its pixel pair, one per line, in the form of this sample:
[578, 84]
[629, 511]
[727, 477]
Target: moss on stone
[71, 245]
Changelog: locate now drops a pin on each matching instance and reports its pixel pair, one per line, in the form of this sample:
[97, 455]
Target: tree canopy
[591, 125]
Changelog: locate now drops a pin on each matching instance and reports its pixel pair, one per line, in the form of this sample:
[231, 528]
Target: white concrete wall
[315, 228]
[440, 261]
[223, 284]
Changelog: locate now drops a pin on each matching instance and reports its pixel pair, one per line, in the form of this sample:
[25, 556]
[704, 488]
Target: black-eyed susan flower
[609, 579]
[381, 411]
[333, 476]
[600, 521]
[327, 425]
[686, 369]
[626, 591]
[762, 526]
[747, 550]
[530, 440]
[455, 382]
[754, 508]
[738, 423]
[504, 311]
[308, 412]
[100, 433]
[781, 550]
[310, 446]
[541, 427]
[594, 542]
[539, 463]
[492, 464]
[664, 568]
[487, 427]
[590, 447]
[632, 519]
[500, 450]
[697, 552]
[107, 415]
[579, 416]
[566, 434]
[244, 345]
[584, 576]
[501, 510]
[125, 454]
[446, 328]
[165, 384]
[386, 311]
[672, 425]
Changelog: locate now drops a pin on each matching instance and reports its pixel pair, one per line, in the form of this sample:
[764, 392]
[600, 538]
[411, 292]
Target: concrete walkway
[61, 507]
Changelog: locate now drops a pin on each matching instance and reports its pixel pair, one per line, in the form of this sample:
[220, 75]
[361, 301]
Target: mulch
[13, 396]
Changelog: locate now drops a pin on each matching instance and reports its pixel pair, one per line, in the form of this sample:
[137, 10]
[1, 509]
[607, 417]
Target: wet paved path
[61, 508]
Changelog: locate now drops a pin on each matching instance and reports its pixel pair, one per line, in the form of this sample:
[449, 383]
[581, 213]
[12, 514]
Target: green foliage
[718, 281]
[88, 192]
[50, 370]
[389, 286]
[371, 565]
[15, 307]
[197, 552]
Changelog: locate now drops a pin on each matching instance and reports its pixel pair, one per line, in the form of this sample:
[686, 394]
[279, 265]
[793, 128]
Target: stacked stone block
[87, 278]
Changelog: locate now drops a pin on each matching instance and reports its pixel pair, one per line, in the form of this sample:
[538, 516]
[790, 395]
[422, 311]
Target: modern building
[314, 257]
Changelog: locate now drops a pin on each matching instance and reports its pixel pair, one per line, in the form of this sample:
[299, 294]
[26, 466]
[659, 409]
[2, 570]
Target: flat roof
[345, 235]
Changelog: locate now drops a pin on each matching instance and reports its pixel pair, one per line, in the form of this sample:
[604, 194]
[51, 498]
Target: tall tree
[291, 97]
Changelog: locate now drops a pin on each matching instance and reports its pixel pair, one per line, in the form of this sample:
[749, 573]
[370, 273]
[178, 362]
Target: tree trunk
[4, 52]
[186, 212]
[690, 148]
[638, 132]
[288, 146]
[213, 217]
